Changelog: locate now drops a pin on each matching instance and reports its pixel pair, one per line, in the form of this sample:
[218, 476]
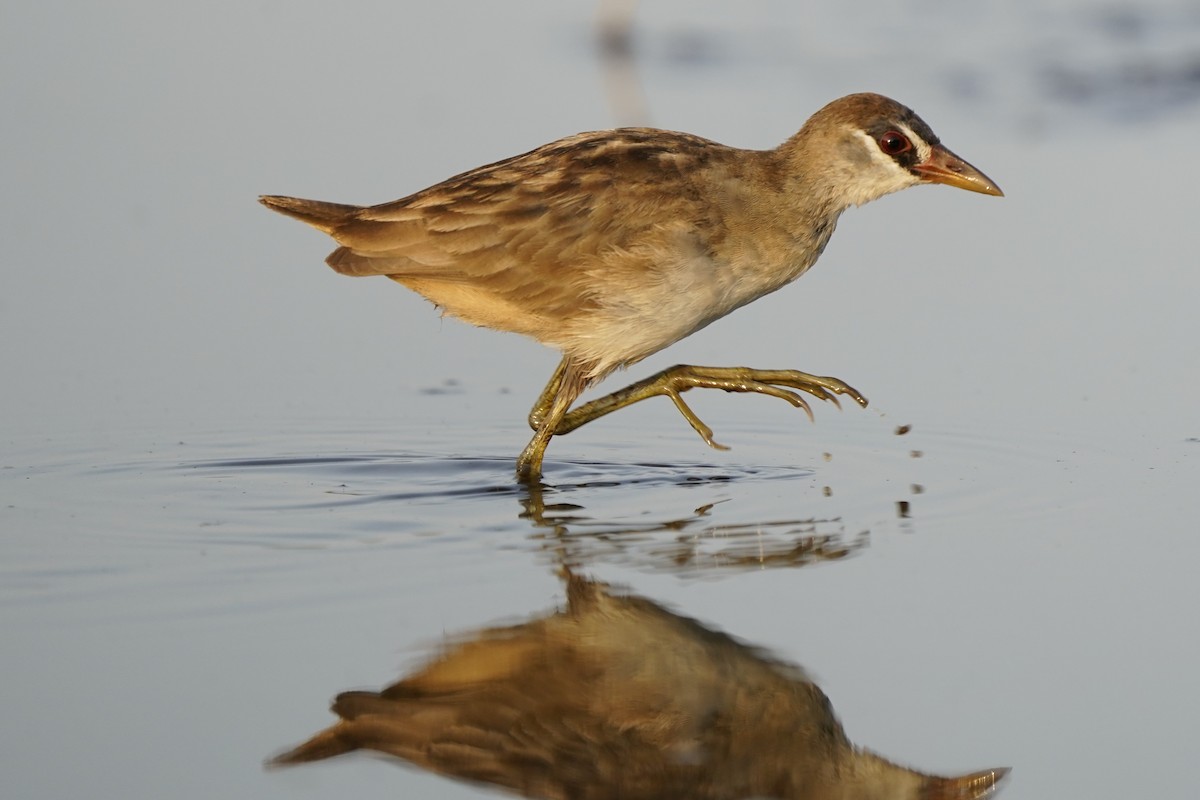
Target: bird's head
[863, 146]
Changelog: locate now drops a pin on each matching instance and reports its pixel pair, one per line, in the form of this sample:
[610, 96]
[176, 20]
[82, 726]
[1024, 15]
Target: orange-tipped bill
[945, 167]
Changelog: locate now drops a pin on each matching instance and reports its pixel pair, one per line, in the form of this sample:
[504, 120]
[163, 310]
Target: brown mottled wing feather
[547, 242]
[562, 204]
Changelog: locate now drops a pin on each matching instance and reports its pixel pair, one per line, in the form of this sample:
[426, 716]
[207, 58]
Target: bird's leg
[675, 380]
[546, 398]
[564, 387]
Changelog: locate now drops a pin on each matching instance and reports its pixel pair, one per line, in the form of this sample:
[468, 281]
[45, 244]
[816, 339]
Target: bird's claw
[706, 433]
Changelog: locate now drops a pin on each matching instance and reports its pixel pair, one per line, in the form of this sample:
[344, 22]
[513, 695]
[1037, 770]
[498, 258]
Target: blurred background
[235, 482]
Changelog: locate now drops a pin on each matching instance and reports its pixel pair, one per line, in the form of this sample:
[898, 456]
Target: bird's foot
[672, 382]
[775, 383]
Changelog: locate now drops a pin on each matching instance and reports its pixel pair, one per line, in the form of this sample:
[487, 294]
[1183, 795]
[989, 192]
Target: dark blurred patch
[695, 48]
[449, 386]
[1131, 89]
[966, 82]
[1126, 23]
[1126, 61]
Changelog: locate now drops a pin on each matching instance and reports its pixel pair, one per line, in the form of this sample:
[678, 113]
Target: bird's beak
[942, 166]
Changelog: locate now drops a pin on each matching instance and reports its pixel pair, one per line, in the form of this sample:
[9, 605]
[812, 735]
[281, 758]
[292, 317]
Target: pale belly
[632, 325]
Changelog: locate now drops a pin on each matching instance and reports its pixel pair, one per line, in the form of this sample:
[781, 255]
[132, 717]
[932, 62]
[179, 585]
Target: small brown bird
[612, 245]
[617, 697]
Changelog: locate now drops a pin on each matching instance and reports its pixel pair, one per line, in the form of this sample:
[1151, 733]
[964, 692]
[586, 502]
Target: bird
[618, 697]
[612, 245]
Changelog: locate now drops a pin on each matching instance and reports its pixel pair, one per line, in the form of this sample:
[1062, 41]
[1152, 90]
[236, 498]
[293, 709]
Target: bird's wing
[566, 203]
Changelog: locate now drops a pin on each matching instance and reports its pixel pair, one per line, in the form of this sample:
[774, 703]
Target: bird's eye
[894, 143]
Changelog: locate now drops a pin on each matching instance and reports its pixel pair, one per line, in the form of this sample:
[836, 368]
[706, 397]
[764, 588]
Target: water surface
[234, 483]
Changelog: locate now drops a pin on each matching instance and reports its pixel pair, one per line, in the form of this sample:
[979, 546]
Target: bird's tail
[322, 216]
[333, 741]
[346, 735]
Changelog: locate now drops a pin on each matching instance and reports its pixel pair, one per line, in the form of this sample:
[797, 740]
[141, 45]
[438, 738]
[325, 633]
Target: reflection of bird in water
[611, 245]
[616, 697]
[692, 544]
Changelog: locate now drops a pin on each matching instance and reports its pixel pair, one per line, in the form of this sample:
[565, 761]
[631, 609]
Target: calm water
[234, 484]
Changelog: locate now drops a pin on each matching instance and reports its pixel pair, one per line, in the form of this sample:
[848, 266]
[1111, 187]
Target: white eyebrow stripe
[924, 150]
